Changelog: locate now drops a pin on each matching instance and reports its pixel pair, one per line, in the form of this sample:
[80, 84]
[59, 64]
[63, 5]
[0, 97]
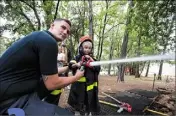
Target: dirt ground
[109, 84]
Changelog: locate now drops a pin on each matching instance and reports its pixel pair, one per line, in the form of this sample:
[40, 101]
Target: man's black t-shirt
[22, 65]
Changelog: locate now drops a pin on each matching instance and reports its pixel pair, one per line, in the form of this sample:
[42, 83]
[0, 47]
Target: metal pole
[153, 81]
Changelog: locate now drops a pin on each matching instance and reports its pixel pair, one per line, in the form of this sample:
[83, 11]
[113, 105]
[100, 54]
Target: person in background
[61, 57]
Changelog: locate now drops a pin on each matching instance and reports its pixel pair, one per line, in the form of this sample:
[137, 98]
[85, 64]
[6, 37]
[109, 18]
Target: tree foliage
[147, 25]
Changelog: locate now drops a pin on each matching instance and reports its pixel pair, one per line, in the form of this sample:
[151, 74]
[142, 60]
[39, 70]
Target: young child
[61, 57]
[83, 95]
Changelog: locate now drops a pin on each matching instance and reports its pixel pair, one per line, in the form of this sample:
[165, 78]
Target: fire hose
[121, 105]
[89, 63]
[135, 59]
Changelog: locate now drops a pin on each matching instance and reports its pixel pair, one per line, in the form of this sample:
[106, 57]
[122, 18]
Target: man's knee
[44, 108]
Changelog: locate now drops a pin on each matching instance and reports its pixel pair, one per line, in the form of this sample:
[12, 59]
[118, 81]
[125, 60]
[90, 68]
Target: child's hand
[89, 57]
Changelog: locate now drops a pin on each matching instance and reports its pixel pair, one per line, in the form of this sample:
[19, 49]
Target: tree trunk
[109, 69]
[36, 15]
[124, 45]
[57, 6]
[137, 75]
[121, 74]
[137, 71]
[148, 66]
[161, 64]
[123, 55]
[160, 70]
[82, 20]
[91, 31]
[48, 12]
[141, 70]
[103, 30]
[90, 19]
[110, 56]
[98, 48]
[175, 46]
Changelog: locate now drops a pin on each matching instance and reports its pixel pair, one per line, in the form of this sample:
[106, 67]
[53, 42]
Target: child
[61, 57]
[83, 95]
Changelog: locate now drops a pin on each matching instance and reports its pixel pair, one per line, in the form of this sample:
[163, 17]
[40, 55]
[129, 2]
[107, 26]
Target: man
[26, 62]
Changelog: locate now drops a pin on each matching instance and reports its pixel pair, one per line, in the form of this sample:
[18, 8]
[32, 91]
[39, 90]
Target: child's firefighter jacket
[83, 95]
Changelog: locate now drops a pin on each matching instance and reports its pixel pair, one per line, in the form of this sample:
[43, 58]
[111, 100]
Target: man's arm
[53, 82]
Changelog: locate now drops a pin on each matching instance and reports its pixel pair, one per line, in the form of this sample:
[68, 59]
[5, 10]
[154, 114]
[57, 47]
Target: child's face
[60, 49]
[87, 47]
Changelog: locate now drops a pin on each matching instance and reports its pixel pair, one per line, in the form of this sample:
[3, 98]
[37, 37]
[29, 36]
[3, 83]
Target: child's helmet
[83, 39]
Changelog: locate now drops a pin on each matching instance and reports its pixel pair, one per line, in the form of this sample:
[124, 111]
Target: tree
[124, 44]
[91, 32]
[165, 27]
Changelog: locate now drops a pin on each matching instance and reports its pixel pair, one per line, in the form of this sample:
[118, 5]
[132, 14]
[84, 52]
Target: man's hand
[76, 65]
[79, 74]
[53, 82]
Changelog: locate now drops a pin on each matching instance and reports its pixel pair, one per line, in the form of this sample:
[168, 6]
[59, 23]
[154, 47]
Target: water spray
[135, 59]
